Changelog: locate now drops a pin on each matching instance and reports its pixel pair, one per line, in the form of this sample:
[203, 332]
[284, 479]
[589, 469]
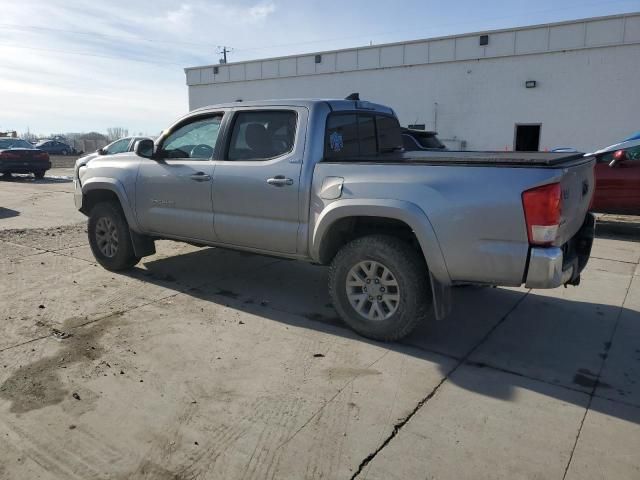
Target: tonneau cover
[518, 159]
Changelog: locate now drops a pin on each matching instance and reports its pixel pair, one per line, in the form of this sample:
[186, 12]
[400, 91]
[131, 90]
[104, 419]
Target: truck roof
[334, 104]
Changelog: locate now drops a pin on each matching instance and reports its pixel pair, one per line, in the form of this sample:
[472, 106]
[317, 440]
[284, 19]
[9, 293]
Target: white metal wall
[587, 76]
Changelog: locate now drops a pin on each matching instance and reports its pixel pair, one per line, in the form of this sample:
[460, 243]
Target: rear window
[14, 143]
[353, 135]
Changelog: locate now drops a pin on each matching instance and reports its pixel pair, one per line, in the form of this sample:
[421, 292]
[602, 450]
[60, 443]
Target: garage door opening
[527, 138]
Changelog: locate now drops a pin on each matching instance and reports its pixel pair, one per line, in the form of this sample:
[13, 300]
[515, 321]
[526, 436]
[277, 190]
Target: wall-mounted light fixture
[530, 84]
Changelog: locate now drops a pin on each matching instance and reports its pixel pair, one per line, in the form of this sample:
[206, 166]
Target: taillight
[9, 155]
[42, 155]
[542, 207]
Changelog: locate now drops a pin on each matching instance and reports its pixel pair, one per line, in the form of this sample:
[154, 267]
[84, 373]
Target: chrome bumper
[545, 268]
[554, 266]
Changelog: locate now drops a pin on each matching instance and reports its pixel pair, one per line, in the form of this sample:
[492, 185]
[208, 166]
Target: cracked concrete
[202, 363]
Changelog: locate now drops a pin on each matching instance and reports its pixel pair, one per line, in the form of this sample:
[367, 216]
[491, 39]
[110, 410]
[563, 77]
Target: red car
[618, 179]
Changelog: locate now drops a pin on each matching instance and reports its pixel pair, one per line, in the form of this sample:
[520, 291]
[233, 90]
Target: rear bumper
[554, 266]
[24, 166]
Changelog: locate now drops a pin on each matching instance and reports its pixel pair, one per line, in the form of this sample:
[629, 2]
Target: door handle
[200, 177]
[279, 181]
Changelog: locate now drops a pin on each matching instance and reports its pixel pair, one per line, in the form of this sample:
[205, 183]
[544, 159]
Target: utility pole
[224, 50]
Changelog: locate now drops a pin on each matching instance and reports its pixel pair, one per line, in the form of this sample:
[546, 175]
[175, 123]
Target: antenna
[354, 96]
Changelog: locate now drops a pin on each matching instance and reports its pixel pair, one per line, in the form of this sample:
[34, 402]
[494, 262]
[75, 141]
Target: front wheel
[39, 174]
[380, 287]
[109, 237]
[64, 153]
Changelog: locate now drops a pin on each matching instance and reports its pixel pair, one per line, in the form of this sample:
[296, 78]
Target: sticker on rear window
[335, 142]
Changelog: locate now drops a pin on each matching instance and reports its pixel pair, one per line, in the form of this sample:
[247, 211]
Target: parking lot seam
[614, 260]
[399, 425]
[597, 380]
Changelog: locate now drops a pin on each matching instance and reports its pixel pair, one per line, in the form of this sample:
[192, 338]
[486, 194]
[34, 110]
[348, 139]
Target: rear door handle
[279, 181]
[200, 177]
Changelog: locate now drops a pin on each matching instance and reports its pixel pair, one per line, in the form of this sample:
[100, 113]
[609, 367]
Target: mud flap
[441, 298]
[143, 246]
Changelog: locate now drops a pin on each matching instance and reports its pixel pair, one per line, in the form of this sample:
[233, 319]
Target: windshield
[429, 141]
[14, 143]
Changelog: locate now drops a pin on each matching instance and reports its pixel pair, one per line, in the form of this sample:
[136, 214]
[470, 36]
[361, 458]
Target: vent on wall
[484, 40]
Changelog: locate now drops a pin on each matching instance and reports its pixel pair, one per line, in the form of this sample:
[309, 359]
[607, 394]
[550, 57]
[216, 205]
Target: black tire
[7, 175]
[39, 174]
[64, 153]
[411, 275]
[122, 255]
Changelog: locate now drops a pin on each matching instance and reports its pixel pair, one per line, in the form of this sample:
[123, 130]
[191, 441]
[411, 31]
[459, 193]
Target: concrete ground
[207, 364]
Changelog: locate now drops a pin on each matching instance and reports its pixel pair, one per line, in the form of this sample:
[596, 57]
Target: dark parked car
[618, 179]
[54, 147]
[416, 140]
[19, 156]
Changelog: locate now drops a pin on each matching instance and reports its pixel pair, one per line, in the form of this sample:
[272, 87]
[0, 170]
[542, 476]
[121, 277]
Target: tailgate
[577, 185]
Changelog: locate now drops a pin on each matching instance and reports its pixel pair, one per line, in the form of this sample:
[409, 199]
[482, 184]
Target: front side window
[119, 146]
[196, 139]
[262, 135]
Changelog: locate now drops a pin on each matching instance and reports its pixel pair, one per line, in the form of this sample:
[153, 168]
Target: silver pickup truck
[327, 181]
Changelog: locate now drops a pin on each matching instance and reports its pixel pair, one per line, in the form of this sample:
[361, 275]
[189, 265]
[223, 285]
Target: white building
[569, 84]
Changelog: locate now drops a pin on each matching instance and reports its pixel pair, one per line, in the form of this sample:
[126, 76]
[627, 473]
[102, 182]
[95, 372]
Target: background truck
[327, 181]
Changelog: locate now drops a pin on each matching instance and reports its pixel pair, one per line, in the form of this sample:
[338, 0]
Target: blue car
[54, 147]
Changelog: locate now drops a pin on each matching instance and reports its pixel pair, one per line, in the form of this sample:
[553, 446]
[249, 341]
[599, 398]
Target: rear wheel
[109, 237]
[39, 174]
[64, 152]
[380, 287]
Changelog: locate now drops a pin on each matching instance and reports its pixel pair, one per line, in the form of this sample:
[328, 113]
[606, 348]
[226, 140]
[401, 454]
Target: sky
[79, 66]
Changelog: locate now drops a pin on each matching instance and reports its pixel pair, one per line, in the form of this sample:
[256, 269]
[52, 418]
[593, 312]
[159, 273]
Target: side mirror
[101, 151]
[619, 158]
[144, 148]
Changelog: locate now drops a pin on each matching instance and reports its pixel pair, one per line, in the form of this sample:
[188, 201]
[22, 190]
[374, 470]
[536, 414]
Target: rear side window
[389, 137]
[262, 135]
[352, 135]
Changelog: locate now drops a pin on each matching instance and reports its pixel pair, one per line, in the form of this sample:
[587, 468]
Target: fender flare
[401, 210]
[115, 186]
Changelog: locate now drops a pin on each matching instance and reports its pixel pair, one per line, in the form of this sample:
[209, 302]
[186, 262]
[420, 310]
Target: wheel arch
[97, 190]
[325, 239]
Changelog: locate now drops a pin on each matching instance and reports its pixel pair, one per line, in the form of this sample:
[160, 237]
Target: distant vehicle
[564, 150]
[122, 145]
[617, 174]
[327, 181]
[54, 147]
[417, 140]
[19, 156]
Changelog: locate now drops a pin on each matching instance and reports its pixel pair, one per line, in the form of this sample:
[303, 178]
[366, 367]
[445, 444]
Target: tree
[115, 133]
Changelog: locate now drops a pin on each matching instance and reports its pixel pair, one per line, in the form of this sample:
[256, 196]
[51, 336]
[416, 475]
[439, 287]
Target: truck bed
[472, 158]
